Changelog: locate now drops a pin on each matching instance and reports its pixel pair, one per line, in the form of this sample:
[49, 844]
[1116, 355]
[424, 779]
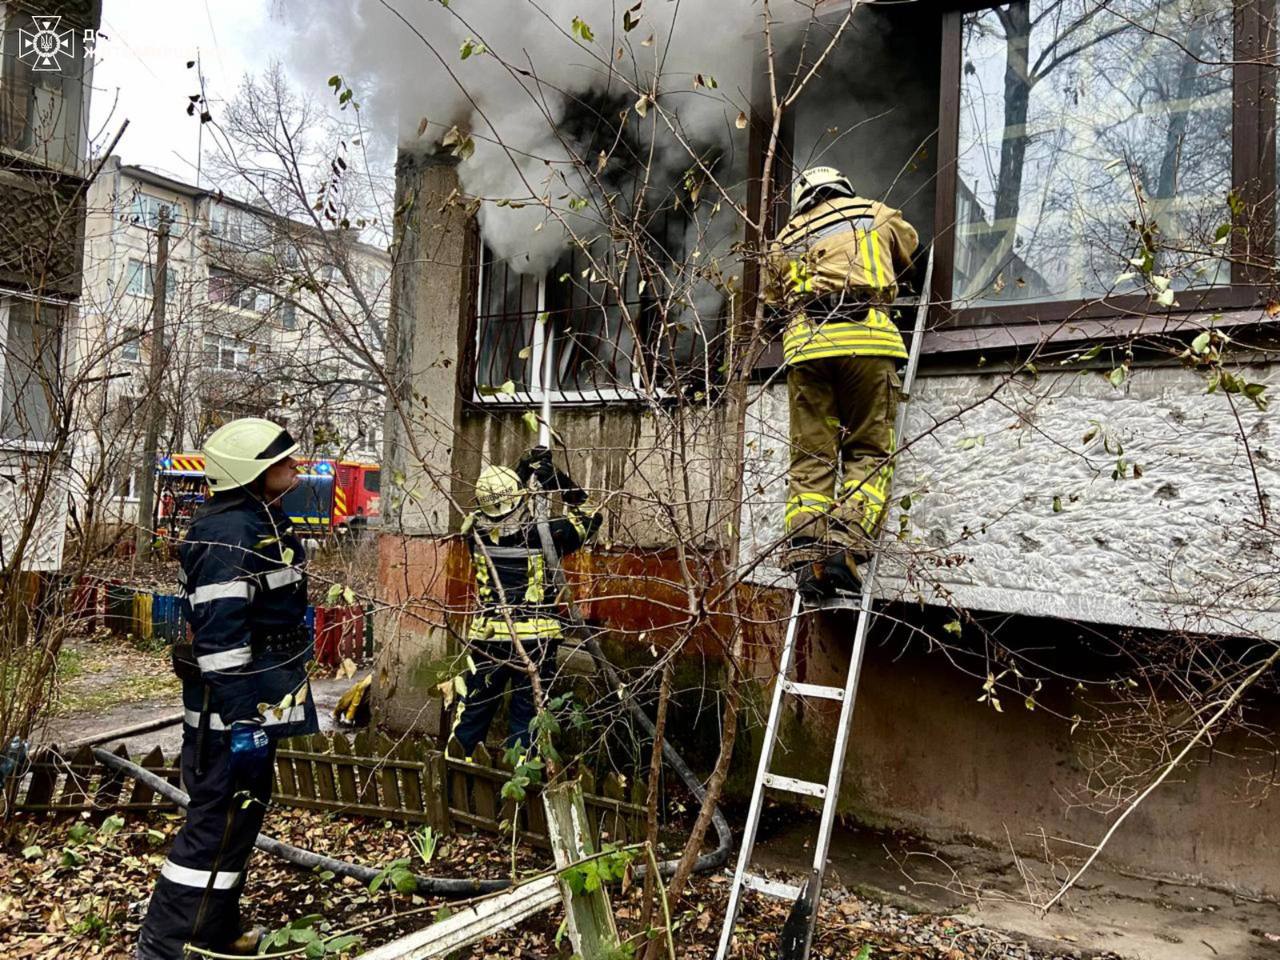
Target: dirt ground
[1136, 917]
[896, 894]
[103, 875]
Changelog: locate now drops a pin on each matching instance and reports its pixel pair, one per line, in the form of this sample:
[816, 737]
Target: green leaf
[79, 832]
[530, 420]
[507, 388]
[1057, 504]
[1116, 376]
[345, 942]
[953, 627]
[33, 852]
[581, 28]
[864, 953]
[404, 881]
[1201, 343]
[111, 826]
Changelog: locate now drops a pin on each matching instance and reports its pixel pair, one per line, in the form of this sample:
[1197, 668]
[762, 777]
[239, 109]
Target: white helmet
[239, 452]
[814, 181]
[498, 491]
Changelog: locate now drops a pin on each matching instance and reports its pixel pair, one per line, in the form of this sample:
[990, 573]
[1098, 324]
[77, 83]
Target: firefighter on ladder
[244, 685]
[514, 592]
[834, 269]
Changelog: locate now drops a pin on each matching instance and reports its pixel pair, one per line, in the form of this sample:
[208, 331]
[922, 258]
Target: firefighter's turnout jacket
[245, 597]
[512, 584]
[511, 575]
[833, 270]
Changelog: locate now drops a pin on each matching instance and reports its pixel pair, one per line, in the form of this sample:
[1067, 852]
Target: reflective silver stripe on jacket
[282, 578]
[295, 714]
[509, 553]
[190, 877]
[228, 590]
[226, 659]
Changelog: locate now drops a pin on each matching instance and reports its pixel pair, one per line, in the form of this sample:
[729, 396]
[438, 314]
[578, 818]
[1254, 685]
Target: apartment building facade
[45, 88]
[264, 316]
[1081, 471]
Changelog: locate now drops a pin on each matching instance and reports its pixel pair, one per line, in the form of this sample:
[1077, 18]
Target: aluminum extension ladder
[798, 931]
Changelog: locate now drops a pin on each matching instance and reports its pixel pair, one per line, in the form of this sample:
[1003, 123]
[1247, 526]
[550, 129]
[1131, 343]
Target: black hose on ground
[450, 887]
[718, 857]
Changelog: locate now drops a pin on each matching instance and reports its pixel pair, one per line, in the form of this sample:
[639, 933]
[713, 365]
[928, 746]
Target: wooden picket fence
[369, 775]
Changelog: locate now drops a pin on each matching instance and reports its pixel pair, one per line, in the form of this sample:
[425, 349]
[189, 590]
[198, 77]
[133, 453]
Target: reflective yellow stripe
[864, 247]
[877, 257]
[483, 628]
[807, 503]
[872, 490]
[876, 337]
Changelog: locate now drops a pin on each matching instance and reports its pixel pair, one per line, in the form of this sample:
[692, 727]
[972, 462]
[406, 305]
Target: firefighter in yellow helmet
[834, 270]
[514, 592]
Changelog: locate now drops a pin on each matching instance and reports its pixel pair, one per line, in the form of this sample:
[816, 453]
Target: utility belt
[835, 306]
[289, 640]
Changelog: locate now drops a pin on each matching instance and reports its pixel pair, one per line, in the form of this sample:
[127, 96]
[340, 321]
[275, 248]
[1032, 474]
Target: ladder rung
[813, 690]
[807, 787]
[772, 888]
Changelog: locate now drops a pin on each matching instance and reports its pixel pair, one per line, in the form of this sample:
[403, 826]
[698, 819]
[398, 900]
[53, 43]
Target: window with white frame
[30, 332]
[145, 210]
[289, 315]
[226, 287]
[238, 226]
[222, 352]
[131, 344]
[139, 280]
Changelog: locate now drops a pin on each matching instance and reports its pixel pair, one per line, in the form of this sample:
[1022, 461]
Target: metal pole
[146, 521]
[548, 351]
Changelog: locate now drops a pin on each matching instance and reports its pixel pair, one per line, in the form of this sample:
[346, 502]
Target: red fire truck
[332, 494]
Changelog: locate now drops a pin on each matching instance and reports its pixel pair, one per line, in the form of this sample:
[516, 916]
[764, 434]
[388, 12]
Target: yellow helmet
[239, 452]
[498, 491]
[816, 180]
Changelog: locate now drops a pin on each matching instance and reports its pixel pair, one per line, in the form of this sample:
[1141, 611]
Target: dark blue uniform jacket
[245, 592]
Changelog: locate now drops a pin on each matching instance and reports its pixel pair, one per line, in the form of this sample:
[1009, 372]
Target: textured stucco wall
[1156, 550]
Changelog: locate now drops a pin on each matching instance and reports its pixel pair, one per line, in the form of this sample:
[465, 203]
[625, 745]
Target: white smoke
[403, 57]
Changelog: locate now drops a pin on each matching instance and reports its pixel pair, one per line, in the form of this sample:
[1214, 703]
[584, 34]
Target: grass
[100, 678]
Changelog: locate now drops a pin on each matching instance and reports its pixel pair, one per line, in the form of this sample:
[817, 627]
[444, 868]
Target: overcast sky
[141, 72]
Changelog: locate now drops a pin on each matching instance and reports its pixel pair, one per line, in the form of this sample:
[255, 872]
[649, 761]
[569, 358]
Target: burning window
[615, 332]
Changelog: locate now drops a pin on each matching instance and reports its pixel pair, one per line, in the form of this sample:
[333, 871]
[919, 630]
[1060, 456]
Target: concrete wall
[983, 533]
[984, 476]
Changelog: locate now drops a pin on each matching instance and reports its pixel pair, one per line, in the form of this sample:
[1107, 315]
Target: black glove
[536, 463]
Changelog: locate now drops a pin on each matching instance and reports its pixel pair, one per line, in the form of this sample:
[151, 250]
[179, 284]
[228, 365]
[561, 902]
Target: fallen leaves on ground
[104, 873]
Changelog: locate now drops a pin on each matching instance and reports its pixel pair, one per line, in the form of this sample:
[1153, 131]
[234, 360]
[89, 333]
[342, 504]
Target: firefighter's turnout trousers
[245, 597]
[842, 414]
[834, 270]
[514, 594]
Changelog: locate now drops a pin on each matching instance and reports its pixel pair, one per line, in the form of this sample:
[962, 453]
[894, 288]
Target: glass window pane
[31, 368]
[1078, 121]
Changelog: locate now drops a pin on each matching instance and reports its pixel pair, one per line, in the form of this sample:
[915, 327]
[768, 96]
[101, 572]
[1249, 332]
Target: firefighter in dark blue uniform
[515, 593]
[244, 685]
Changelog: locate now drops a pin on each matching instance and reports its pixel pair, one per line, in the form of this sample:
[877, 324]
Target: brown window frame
[1253, 176]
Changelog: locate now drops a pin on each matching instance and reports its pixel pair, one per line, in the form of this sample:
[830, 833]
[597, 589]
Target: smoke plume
[530, 68]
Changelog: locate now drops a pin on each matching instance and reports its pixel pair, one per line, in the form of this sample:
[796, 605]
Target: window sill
[952, 340]
[24, 446]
